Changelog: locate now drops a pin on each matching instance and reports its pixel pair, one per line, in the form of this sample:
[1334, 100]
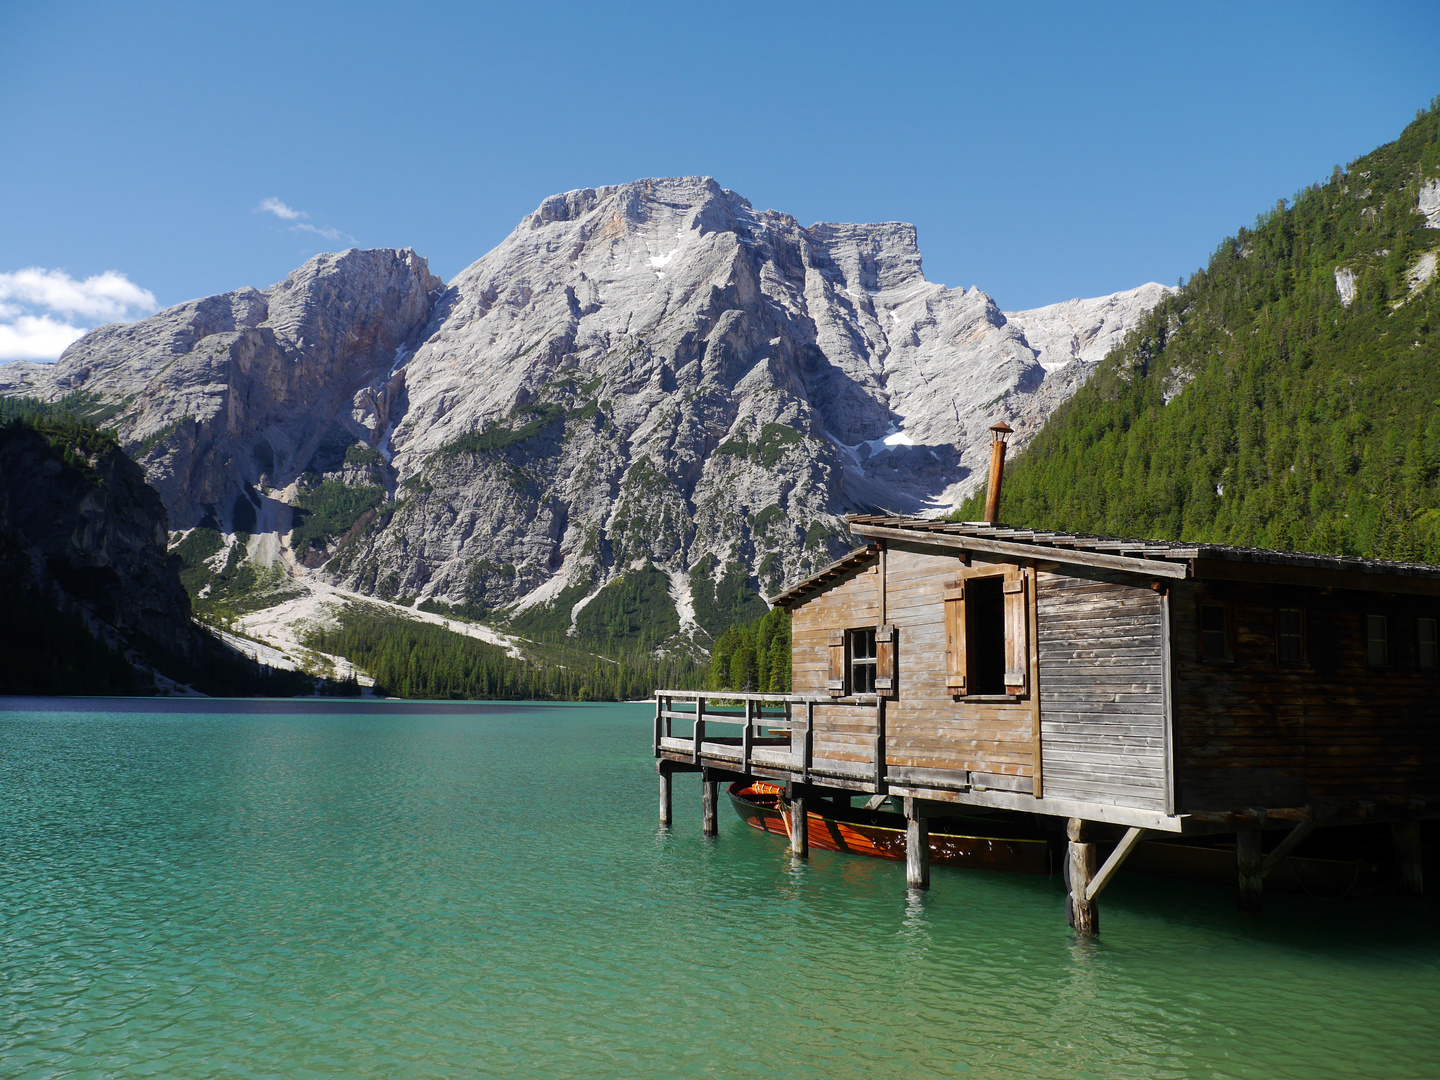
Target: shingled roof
[1157, 558]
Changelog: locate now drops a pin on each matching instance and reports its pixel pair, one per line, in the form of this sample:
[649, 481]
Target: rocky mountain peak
[652, 374]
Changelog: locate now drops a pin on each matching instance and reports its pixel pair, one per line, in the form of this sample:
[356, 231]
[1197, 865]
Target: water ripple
[375, 892]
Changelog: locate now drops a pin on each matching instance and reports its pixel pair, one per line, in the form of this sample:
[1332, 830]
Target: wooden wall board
[1102, 691]
[1251, 732]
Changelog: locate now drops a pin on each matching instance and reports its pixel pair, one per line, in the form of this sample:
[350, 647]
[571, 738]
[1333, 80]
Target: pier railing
[776, 733]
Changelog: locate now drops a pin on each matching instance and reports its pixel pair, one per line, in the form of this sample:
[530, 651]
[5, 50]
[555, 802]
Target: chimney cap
[1002, 427]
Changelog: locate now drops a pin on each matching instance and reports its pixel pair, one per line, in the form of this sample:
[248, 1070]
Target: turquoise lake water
[379, 890]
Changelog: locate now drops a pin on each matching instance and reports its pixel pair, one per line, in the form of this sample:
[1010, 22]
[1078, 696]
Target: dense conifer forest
[1287, 397]
[411, 659]
[754, 656]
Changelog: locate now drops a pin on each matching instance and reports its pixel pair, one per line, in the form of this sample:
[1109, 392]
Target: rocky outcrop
[1084, 330]
[655, 372]
[1428, 203]
[92, 534]
[221, 397]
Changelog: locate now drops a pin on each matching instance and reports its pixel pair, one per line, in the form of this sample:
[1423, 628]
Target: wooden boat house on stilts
[1120, 687]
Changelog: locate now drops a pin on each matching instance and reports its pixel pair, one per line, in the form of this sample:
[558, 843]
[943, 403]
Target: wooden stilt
[917, 847]
[1249, 869]
[667, 804]
[1408, 856]
[799, 827]
[709, 804]
[1081, 911]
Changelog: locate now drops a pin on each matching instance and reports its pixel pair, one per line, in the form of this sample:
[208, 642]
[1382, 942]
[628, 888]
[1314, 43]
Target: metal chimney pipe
[998, 434]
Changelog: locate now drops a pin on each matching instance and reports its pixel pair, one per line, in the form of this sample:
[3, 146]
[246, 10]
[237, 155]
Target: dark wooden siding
[1102, 693]
[1251, 732]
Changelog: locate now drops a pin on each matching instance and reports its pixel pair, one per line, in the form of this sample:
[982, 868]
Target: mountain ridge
[646, 374]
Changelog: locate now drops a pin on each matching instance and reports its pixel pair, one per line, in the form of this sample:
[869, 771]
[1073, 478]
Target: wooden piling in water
[1081, 911]
[667, 803]
[1408, 856]
[917, 847]
[799, 826]
[1249, 869]
[709, 804]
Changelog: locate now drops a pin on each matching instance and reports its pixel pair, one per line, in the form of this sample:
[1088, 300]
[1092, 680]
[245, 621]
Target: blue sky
[1043, 151]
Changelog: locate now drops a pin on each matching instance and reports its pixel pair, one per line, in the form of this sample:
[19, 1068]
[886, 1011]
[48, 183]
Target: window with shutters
[862, 661]
[987, 629]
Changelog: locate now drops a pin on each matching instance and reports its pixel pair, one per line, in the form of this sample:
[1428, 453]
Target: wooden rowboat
[881, 834]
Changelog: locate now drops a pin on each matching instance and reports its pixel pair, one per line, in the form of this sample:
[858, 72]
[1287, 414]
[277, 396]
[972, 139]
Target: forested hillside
[1287, 397]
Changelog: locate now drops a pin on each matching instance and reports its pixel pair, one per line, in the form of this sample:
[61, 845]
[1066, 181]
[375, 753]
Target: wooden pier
[1115, 694]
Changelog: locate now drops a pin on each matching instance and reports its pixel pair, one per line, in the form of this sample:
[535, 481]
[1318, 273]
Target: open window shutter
[1017, 636]
[886, 638]
[955, 664]
[836, 683]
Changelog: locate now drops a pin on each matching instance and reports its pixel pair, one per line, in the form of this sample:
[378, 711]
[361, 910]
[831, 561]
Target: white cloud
[328, 234]
[31, 338]
[30, 298]
[109, 295]
[280, 210]
[285, 212]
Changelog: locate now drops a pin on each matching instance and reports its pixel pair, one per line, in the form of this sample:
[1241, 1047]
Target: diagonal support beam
[1294, 838]
[1113, 863]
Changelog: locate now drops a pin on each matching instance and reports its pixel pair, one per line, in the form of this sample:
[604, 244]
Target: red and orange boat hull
[882, 835]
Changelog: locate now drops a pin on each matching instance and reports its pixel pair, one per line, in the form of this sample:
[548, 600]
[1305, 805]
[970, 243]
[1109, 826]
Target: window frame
[1303, 659]
[1017, 613]
[1228, 657]
[854, 661]
[1420, 643]
[1387, 642]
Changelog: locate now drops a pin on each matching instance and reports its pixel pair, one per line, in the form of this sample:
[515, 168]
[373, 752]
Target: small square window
[1427, 642]
[1290, 635]
[1214, 632]
[862, 661]
[1377, 641]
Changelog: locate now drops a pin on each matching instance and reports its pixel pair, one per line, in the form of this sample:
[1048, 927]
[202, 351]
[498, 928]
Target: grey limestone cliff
[652, 373]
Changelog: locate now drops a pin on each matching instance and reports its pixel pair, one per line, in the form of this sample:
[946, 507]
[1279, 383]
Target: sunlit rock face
[653, 372]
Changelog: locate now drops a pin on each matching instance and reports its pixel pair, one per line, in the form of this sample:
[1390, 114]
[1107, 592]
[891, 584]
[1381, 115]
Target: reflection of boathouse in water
[1120, 689]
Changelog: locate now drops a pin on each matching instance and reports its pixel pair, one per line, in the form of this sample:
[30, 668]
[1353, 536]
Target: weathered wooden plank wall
[926, 726]
[852, 601]
[1252, 732]
[1102, 694]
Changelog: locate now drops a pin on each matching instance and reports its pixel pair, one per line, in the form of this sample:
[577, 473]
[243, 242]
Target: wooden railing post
[746, 734]
[807, 743]
[698, 735]
[880, 785]
[659, 722]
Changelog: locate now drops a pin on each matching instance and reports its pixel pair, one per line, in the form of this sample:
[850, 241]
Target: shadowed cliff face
[650, 372]
[91, 528]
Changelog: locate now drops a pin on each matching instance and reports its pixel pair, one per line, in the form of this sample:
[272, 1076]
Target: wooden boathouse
[1115, 688]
